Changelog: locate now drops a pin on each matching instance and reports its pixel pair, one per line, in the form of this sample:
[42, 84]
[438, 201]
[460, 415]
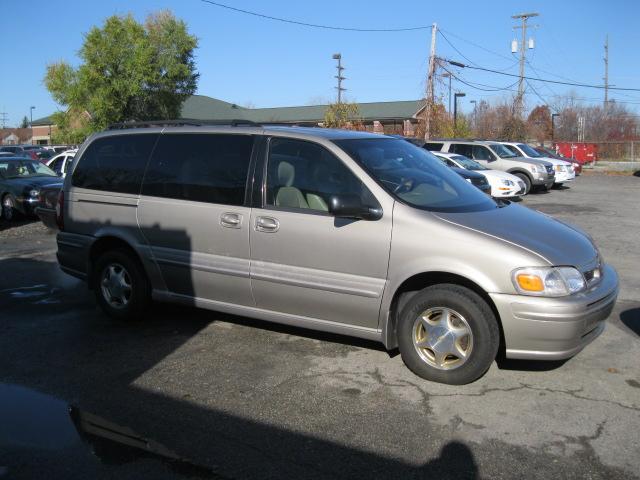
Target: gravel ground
[248, 399]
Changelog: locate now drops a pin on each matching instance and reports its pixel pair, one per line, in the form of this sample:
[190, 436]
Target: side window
[481, 153]
[513, 150]
[433, 146]
[56, 166]
[209, 168]
[114, 164]
[449, 163]
[462, 149]
[305, 175]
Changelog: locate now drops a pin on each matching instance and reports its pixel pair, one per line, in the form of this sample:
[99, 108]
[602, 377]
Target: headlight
[506, 182]
[548, 281]
[34, 193]
[538, 169]
[559, 168]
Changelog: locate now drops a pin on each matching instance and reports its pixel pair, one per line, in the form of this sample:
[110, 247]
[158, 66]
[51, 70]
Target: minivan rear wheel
[448, 334]
[121, 286]
[526, 181]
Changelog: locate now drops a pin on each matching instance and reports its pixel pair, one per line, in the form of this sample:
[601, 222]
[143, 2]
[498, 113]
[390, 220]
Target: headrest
[286, 174]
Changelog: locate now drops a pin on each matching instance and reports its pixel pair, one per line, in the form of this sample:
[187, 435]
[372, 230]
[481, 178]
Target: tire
[471, 329]
[527, 182]
[121, 286]
[9, 211]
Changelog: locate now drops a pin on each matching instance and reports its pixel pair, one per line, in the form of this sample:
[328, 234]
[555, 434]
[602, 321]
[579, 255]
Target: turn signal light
[530, 283]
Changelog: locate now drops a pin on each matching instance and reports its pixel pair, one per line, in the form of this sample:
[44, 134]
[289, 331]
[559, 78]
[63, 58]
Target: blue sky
[247, 60]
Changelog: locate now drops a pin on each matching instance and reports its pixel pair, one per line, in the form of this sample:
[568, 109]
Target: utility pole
[523, 49]
[430, 94]
[606, 74]
[338, 56]
[3, 119]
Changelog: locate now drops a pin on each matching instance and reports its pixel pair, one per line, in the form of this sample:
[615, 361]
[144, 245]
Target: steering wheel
[405, 185]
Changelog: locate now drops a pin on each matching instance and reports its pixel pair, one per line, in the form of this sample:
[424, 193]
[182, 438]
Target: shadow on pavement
[631, 319]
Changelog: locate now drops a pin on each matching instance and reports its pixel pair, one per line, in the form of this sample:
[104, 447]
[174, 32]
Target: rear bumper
[556, 328]
[73, 253]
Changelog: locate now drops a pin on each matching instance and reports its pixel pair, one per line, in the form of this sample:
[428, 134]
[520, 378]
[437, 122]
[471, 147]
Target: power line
[475, 44]
[489, 88]
[454, 47]
[585, 85]
[315, 25]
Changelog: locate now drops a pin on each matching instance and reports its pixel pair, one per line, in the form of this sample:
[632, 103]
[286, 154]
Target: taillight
[60, 211]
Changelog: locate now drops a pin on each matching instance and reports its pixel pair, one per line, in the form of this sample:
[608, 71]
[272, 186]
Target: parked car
[61, 163]
[563, 170]
[16, 150]
[47, 205]
[341, 231]
[474, 178]
[549, 152]
[532, 172]
[501, 184]
[20, 182]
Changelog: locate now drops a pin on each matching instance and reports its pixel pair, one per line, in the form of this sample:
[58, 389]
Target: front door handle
[267, 224]
[231, 220]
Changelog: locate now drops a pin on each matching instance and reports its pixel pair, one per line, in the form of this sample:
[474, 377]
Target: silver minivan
[345, 232]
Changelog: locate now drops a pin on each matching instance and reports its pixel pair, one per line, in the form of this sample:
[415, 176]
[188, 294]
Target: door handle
[267, 224]
[231, 220]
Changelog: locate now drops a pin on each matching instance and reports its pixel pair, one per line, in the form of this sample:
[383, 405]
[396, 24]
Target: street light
[455, 107]
[475, 113]
[448, 75]
[31, 122]
[553, 124]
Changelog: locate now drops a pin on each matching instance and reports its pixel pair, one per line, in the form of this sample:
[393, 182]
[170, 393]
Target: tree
[25, 122]
[342, 115]
[129, 72]
[539, 123]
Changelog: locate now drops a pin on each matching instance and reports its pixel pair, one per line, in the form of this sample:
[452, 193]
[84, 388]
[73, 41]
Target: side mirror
[350, 206]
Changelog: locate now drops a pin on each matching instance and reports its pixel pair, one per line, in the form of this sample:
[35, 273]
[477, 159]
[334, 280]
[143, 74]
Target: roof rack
[183, 122]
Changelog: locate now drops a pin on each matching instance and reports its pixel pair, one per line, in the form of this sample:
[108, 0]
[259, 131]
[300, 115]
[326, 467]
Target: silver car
[345, 232]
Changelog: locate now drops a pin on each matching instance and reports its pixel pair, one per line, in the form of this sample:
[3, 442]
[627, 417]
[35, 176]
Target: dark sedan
[21, 180]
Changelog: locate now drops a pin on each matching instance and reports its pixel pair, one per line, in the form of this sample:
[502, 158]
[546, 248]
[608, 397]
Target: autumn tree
[129, 71]
[539, 123]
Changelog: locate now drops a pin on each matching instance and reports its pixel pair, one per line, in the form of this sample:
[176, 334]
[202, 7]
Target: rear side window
[209, 168]
[433, 146]
[114, 164]
[461, 149]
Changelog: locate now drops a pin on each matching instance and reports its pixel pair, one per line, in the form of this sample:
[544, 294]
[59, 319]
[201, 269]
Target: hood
[36, 182]
[555, 161]
[499, 174]
[535, 161]
[557, 242]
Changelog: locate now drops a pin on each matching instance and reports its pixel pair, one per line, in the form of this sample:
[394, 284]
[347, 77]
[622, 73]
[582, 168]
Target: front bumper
[26, 205]
[564, 177]
[543, 179]
[555, 328]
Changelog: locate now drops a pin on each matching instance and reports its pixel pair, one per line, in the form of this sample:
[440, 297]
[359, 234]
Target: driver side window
[304, 175]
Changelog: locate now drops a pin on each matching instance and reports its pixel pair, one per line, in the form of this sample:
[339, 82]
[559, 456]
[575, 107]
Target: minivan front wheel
[121, 286]
[448, 334]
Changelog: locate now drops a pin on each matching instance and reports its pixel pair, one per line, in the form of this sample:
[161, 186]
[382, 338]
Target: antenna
[340, 68]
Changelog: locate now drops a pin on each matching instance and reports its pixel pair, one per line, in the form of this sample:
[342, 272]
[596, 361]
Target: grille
[479, 181]
[549, 169]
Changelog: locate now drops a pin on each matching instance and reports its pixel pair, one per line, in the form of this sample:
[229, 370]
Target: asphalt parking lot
[215, 396]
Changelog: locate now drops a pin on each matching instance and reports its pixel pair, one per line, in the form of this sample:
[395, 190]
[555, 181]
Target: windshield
[528, 151]
[503, 151]
[415, 176]
[25, 169]
[468, 163]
